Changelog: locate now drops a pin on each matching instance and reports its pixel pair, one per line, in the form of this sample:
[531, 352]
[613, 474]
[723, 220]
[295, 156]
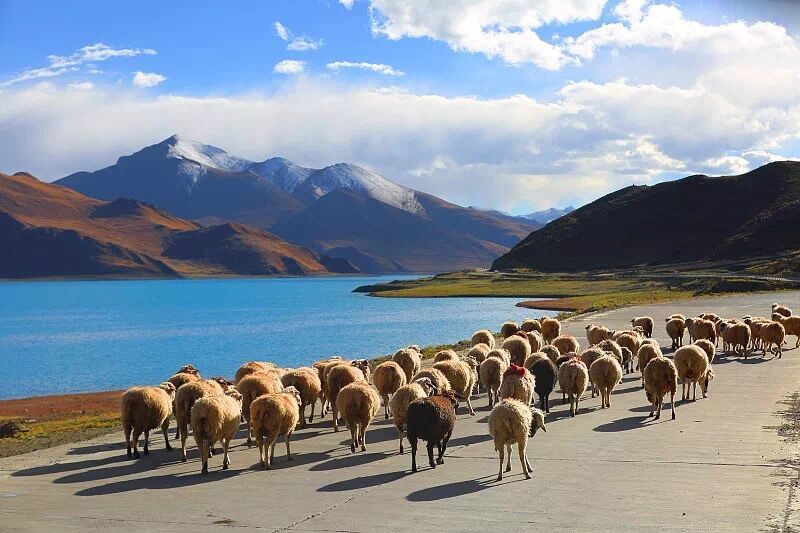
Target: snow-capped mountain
[546, 216]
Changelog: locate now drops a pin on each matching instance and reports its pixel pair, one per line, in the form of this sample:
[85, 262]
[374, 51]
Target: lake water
[72, 336]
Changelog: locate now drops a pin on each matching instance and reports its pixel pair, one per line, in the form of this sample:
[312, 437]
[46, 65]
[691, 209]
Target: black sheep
[545, 372]
[431, 419]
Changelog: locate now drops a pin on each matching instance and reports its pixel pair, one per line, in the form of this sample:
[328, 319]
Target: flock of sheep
[529, 358]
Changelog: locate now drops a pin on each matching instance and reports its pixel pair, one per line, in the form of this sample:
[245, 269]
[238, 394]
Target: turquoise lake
[74, 336]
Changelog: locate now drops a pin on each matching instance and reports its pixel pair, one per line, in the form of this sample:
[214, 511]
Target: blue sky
[507, 104]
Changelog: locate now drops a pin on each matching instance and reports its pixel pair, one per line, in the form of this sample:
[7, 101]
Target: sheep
[644, 322]
[409, 360]
[500, 353]
[535, 340]
[274, 415]
[604, 373]
[518, 348]
[252, 367]
[530, 324]
[772, 333]
[563, 359]
[320, 367]
[707, 347]
[510, 422]
[551, 351]
[388, 377]
[479, 352]
[358, 402]
[609, 345]
[713, 317]
[517, 383]
[215, 418]
[431, 419]
[627, 359]
[701, 328]
[251, 387]
[630, 342]
[185, 398]
[483, 336]
[306, 381]
[636, 332]
[339, 377]
[736, 335]
[597, 334]
[186, 374]
[647, 353]
[461, 379]
[691, 363]
[544, 373]
[144, 409]
[676, 315]
[445, 355]
[436, 376]
[551, 328]
[652, 341]
[491, 374]
[755, 324]
[781, 310]
[675, 329]
[587, 357]
[573, 377]
[791, 325]
[566, 344]
[660, 378]
[508, 328]
[403, 397]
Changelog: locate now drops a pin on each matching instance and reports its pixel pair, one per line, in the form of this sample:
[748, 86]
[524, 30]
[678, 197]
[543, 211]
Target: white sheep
[274, 415]
[483, 336]
[518, 383]
[604, 373]
[573, 378]
[660, 378]
[144, 409]
[359, 403]
[388, 377]
[512, 422]
[215, 418]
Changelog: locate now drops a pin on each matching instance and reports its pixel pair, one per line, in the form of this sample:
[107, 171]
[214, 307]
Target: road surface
[726, 464]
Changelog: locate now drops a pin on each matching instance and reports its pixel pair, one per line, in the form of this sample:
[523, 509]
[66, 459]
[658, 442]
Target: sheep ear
[544, 428]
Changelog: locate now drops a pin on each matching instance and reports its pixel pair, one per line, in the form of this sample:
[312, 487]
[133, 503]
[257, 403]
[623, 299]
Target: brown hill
[50, 230]
[692, 220]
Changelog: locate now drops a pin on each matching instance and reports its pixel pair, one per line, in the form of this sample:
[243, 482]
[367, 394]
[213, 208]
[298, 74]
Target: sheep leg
[672, 403]
[303, 415]
[249, 434]
[694, 391]
[183, 442]
[225, 459]
[311, 418]
[335, 415]
[260, 443]
[135, 440]
[445, 440]
[501, 449]
[164, 430]
[660, 402]
[204, 445]
[353, 435]
[146, 442]
[547, 403]
[288, 448]
[400, 433]
[127, 430]
[272, 450]
[364, 426]
[413, 441]
[523, 459]
[385, 400]
[469, 405]
[652, 407]
[430, 455]
[572, 405]
[440, 449]
[508, 458]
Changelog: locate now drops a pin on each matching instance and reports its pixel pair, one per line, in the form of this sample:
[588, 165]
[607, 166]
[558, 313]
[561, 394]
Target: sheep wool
[551, 328]
[573, 378]
[461, 379]
[483, 336]
[185, 398]
[339, 377]
[566, 344]
[306, 381]
[251, 387]
[517, 383]
[530, 324]
[660, 377]
[604, 373]
[274, 415]
[518, 348]
[409, 360]
[512, 422]
[359, 403]
[216, 419]
[691, 363]
[544, 378]
[388, 377]
[144, 409]
[402, 398]
[431, 419]
[445, 355]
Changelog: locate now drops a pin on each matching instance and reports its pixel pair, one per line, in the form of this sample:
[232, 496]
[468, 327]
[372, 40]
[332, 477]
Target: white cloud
[289, 66]
[147, 79]
[58, 65]
[348, 4]
[503, 29]
[83, 86]
[304, 44]
[380, 68]
[281, 31]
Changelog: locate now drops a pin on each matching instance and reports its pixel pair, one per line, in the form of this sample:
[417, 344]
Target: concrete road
[725, 464]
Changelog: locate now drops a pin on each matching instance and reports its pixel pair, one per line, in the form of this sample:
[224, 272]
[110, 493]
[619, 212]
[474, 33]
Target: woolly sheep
[701, 329]
[691, 363]
[675, 329]
[436, 376]
[491, 375]
[604, 373]
[388, 377]
[252, 367]
[637, 332]
[551, 351]
[772, 333]
[445, 355]
[214, 419]
[597, 334]
[563, 359]
[535, 340]
[274, 415]
[791, 325]
[512, 422]
[339, 377]
[508, 328]
[483, 336]
[644, 322]
[251, 387]
[185, 398]
[781, 310]
[676, 315]
[566, 344]
[530, 324]
[144, 409]
[403, 397]
[409, 360]
[627, 359]
[630, 342]
[647, 353]
[544, 373]
[707, 347]
[518, 348]
[461, 379]
[500, 353]
[479, 352]
[611, 346]
[431, 419]
[181, 378]
[320, 367]
[573, 377]
[307, 383]
[517, 383]
[551, 328]
[660, 378]
[736, 336]
[359, 403]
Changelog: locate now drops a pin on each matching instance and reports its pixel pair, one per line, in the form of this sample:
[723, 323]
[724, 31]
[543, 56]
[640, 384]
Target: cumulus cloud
[380, 68]
[296, 44]
[58, 65]
[281, 31]
[147, 79]
[348, 4]
[289, 66]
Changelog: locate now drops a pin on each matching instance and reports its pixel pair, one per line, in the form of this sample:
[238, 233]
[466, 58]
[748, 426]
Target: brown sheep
[660, 378]
[675, 329]
[359, 403]
[409, 360]
[144, 409]
[388, 377]
[535, 340]
[692, 366]
[518, 348]
[320, 367]
[597, 334]
[530, 324]
[338, 377]
[707, 347]
[500, 353]
[431, 419]
[445, 355]
[588, 357]
[185, 399]
[517, 383]
[479, 352]
[791, 325]
[566, 344]
[508, 328]
[573, 377]
[252, 367]
[436, 376]
[483, 336]
[772, 333]
[461, 379]
[274, 415]
[647, 353]
[215, 419]
[736, 336]
[781, 310]
[306, 381]
[644, 322]
[551, 328]
[701, 329]
[551, 352]
[251, 387]
[403, 397]
[604, 373]
[630, 342]
[491, 375]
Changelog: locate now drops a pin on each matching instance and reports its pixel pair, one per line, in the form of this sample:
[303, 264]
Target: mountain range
[545, 216]
[49, 230]
[697, 219]
[343, 211]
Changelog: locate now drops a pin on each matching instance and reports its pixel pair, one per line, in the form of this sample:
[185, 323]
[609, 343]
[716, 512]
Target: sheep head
[168, 387]
[233, 393]
[537, 422]
[294, 392]
[450, 395]
[363, 365]
[224, 383]
[427, 385]
[189, 369]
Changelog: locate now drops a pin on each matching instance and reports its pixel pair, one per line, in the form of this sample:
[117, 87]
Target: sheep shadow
[362, 482]
[298, 459]
[373, 436]
[350, 460]
[459, 488]
[623, 424]
[469, 439]
[752, 359]
[167, 481]
[130, 466]
[95, 448]
[59, 468]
